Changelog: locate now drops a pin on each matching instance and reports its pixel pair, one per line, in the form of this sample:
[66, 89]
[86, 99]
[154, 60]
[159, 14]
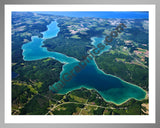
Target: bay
[101, 14]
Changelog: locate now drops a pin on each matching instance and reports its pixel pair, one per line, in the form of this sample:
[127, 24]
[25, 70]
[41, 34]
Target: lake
[112, 88]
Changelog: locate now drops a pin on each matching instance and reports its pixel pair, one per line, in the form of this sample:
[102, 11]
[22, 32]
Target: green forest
[129, 72]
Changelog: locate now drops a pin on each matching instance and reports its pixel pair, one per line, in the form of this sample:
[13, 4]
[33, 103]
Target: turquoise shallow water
[111, 88]
[34, 50]
[52, 30]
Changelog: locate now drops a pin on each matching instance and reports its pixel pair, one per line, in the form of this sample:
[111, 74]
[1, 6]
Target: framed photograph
[80, 63]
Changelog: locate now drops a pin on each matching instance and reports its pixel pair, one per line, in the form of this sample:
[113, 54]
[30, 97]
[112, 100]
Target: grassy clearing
[75, 37]
[78, 99]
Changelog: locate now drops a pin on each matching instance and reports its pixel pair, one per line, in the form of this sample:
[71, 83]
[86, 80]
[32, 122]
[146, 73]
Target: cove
[112, 88]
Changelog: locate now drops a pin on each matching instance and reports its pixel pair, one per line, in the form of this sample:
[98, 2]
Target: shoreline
[49, 29]
[45, 48]
[120, 79]
[112, 74]
[83, 86]
[93, 39]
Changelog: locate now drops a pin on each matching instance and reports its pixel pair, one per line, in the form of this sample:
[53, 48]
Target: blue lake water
[52, 31]
[101, 14]
[34, 50]
[111, 88]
